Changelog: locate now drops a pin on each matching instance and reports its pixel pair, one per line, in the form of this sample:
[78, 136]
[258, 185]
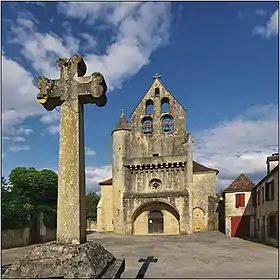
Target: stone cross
[146, 262]
[157, 76]
[70, 92]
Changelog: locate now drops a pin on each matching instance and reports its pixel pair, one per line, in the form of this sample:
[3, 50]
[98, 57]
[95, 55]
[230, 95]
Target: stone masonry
[153, 173]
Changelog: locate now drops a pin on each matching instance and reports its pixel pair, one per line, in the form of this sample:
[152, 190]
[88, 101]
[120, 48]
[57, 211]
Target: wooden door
[240, 226]
[155, 222]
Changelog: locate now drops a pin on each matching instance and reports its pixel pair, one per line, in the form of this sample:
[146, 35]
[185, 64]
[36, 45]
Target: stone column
[71, 210]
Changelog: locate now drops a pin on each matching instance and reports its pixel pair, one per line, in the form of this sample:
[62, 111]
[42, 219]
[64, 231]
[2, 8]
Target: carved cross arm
[49, 94]
[91, 89]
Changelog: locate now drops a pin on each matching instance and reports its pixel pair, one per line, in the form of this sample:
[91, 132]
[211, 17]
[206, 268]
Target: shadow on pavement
[143, 269]
[258, 241]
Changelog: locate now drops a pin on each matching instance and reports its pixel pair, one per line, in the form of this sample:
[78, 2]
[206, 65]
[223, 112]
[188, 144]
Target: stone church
[156, 186]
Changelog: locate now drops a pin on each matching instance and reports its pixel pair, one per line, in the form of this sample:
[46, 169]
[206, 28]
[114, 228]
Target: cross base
[53, 261]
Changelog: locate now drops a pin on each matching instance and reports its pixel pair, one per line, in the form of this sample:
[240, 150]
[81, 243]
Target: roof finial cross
[157, 76]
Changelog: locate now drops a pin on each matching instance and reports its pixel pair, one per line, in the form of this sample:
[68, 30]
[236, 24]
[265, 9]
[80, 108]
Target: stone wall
[157, 143]
[105, 211]
[21, 237]
[266, 208]
[204, 204]
[91, 225]
[232, 211]
[15, 238]
[12, 238]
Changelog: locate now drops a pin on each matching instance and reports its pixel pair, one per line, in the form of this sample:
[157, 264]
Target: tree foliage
[31, 192]
[13, 211]
[92, 200]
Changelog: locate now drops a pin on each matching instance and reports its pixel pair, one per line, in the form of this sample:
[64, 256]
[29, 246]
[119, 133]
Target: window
[258, 224]
[165, 105]
[254, 198]
[147, 125]
[272, 226]
[262, 195]
[272, 190]
[267, 186]
[149, 106]
[258, 197]
[156, 92]
[155, 155]
[240, 200]
[167, 124]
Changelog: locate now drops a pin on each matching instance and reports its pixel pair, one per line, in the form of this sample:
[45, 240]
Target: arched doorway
[199, 222]
[155, 222]
[155, 217]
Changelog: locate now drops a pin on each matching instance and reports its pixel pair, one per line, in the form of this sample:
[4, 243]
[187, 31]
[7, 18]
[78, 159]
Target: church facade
[156, 186]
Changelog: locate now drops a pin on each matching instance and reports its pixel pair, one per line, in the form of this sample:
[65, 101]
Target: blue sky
[220, 60]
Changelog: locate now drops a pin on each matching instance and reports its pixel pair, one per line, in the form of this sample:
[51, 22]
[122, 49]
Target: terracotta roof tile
[197, 168]
[241, 183]
[106, 182]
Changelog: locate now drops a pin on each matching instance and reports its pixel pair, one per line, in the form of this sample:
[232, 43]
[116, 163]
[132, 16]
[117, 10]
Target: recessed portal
[155, 222]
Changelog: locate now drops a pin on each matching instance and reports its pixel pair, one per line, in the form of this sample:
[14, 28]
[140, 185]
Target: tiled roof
[241, 183]
[106, 182]
[197, 168]
[123, 124]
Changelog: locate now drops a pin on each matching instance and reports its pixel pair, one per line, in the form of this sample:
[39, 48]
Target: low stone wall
[50, 235]
[21, 237]
[91, 225]
[15, 238]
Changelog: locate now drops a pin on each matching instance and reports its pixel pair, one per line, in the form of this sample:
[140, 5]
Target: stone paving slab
[208, 254]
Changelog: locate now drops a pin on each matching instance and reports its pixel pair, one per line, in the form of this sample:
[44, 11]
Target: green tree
[92, 200]
[14, 215]
[38, 192]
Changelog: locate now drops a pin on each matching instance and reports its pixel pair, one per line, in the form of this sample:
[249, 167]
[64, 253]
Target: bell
[166, 126]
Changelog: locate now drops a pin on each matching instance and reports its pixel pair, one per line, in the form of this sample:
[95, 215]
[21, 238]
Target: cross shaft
[71, 92]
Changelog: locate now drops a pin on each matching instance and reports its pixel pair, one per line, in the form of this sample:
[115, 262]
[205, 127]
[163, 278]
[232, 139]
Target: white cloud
[240, 145]
[89, 151]
[18, 139]
[53, 129]
[139, 29]
[19, 95]
[40, 49]
[19, 148]
[90, 41]
[270, 29]
[261, 12]
[22, 130]
[96, 174]
[51, 117]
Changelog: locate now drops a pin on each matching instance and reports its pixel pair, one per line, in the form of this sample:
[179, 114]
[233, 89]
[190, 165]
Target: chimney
[272, 161]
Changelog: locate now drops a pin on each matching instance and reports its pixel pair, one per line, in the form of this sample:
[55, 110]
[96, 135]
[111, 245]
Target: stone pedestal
[53, 261]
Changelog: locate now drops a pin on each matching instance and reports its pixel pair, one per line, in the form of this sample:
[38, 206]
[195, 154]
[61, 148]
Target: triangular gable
[155, 83]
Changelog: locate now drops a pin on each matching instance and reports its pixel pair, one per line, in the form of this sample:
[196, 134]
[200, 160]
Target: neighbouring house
[238, 209]
[267, 203]
[156, 186]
